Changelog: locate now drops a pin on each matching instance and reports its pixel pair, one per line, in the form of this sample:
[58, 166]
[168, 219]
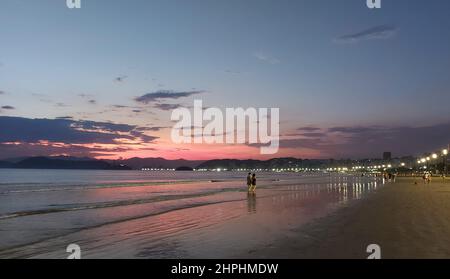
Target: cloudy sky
[102, 80]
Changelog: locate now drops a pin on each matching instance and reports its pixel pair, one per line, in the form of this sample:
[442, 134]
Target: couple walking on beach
[426, 178]
[251, 182]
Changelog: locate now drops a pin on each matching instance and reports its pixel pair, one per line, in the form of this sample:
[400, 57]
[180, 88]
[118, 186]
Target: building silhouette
[387, 156]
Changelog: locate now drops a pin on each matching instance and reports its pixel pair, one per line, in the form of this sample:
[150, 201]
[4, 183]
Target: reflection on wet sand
[251, 202]
[222, 225]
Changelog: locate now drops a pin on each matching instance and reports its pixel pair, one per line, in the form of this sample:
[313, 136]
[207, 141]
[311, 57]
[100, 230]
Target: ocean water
[137, 214]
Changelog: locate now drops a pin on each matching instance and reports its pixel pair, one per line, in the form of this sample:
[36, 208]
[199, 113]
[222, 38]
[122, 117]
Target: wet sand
[218, 224]
[405, 219]
[328, 217]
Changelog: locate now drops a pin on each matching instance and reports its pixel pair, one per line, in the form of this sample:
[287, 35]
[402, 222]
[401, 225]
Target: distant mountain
[5, 164]
[258, 164]
[161, 163]
[66, 163]
[14, 160]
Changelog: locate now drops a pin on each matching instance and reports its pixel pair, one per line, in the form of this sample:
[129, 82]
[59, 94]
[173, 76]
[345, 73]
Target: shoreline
[406, 220]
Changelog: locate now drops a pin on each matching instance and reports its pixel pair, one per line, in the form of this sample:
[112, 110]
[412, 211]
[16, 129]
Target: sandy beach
[405, 219]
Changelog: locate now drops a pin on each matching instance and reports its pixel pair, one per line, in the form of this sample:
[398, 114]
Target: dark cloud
[374, 33]
[92, 102]
[104, 126]
[356, 129]
[142, 136]
[2, 92]
[307, 135]
[154, 129]
[372, 141]
[164, 94]
[8, 107]
[85, 95]
[309, 129]
[399, 140]
[25, 130]
[166, 106]
[64, 117]
[313, 135]
[120, 79]
[33, 149]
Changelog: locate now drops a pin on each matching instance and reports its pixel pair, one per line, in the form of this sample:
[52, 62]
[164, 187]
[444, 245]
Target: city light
[434, 156]
[445, 151]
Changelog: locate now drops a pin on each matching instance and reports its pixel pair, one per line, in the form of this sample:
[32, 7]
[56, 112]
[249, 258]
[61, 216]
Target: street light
[445, 153]
[434, 156]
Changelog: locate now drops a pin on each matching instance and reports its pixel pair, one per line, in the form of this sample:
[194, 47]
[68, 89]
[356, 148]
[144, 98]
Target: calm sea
[39, 207]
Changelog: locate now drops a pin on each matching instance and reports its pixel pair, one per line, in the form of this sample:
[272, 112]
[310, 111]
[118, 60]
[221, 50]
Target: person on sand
[429, 177]
[249, 181]
[253, 187]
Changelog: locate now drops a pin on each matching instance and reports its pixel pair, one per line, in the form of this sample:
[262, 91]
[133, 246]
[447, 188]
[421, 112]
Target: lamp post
[435, 156]
[445, 154]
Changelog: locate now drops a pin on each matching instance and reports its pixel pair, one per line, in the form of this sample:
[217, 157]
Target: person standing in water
[253, 188]
[249, 181]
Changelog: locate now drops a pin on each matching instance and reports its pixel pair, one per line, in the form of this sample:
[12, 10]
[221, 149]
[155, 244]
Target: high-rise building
[387, 156]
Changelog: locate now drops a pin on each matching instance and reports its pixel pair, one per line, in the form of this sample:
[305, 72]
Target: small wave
[74, 207]
[76, 187]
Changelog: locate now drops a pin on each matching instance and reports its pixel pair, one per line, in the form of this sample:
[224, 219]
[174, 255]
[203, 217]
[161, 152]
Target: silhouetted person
[253, 188]
[249, 181]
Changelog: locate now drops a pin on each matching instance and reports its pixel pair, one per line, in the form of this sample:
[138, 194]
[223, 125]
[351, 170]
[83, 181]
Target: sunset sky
[101, 81]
